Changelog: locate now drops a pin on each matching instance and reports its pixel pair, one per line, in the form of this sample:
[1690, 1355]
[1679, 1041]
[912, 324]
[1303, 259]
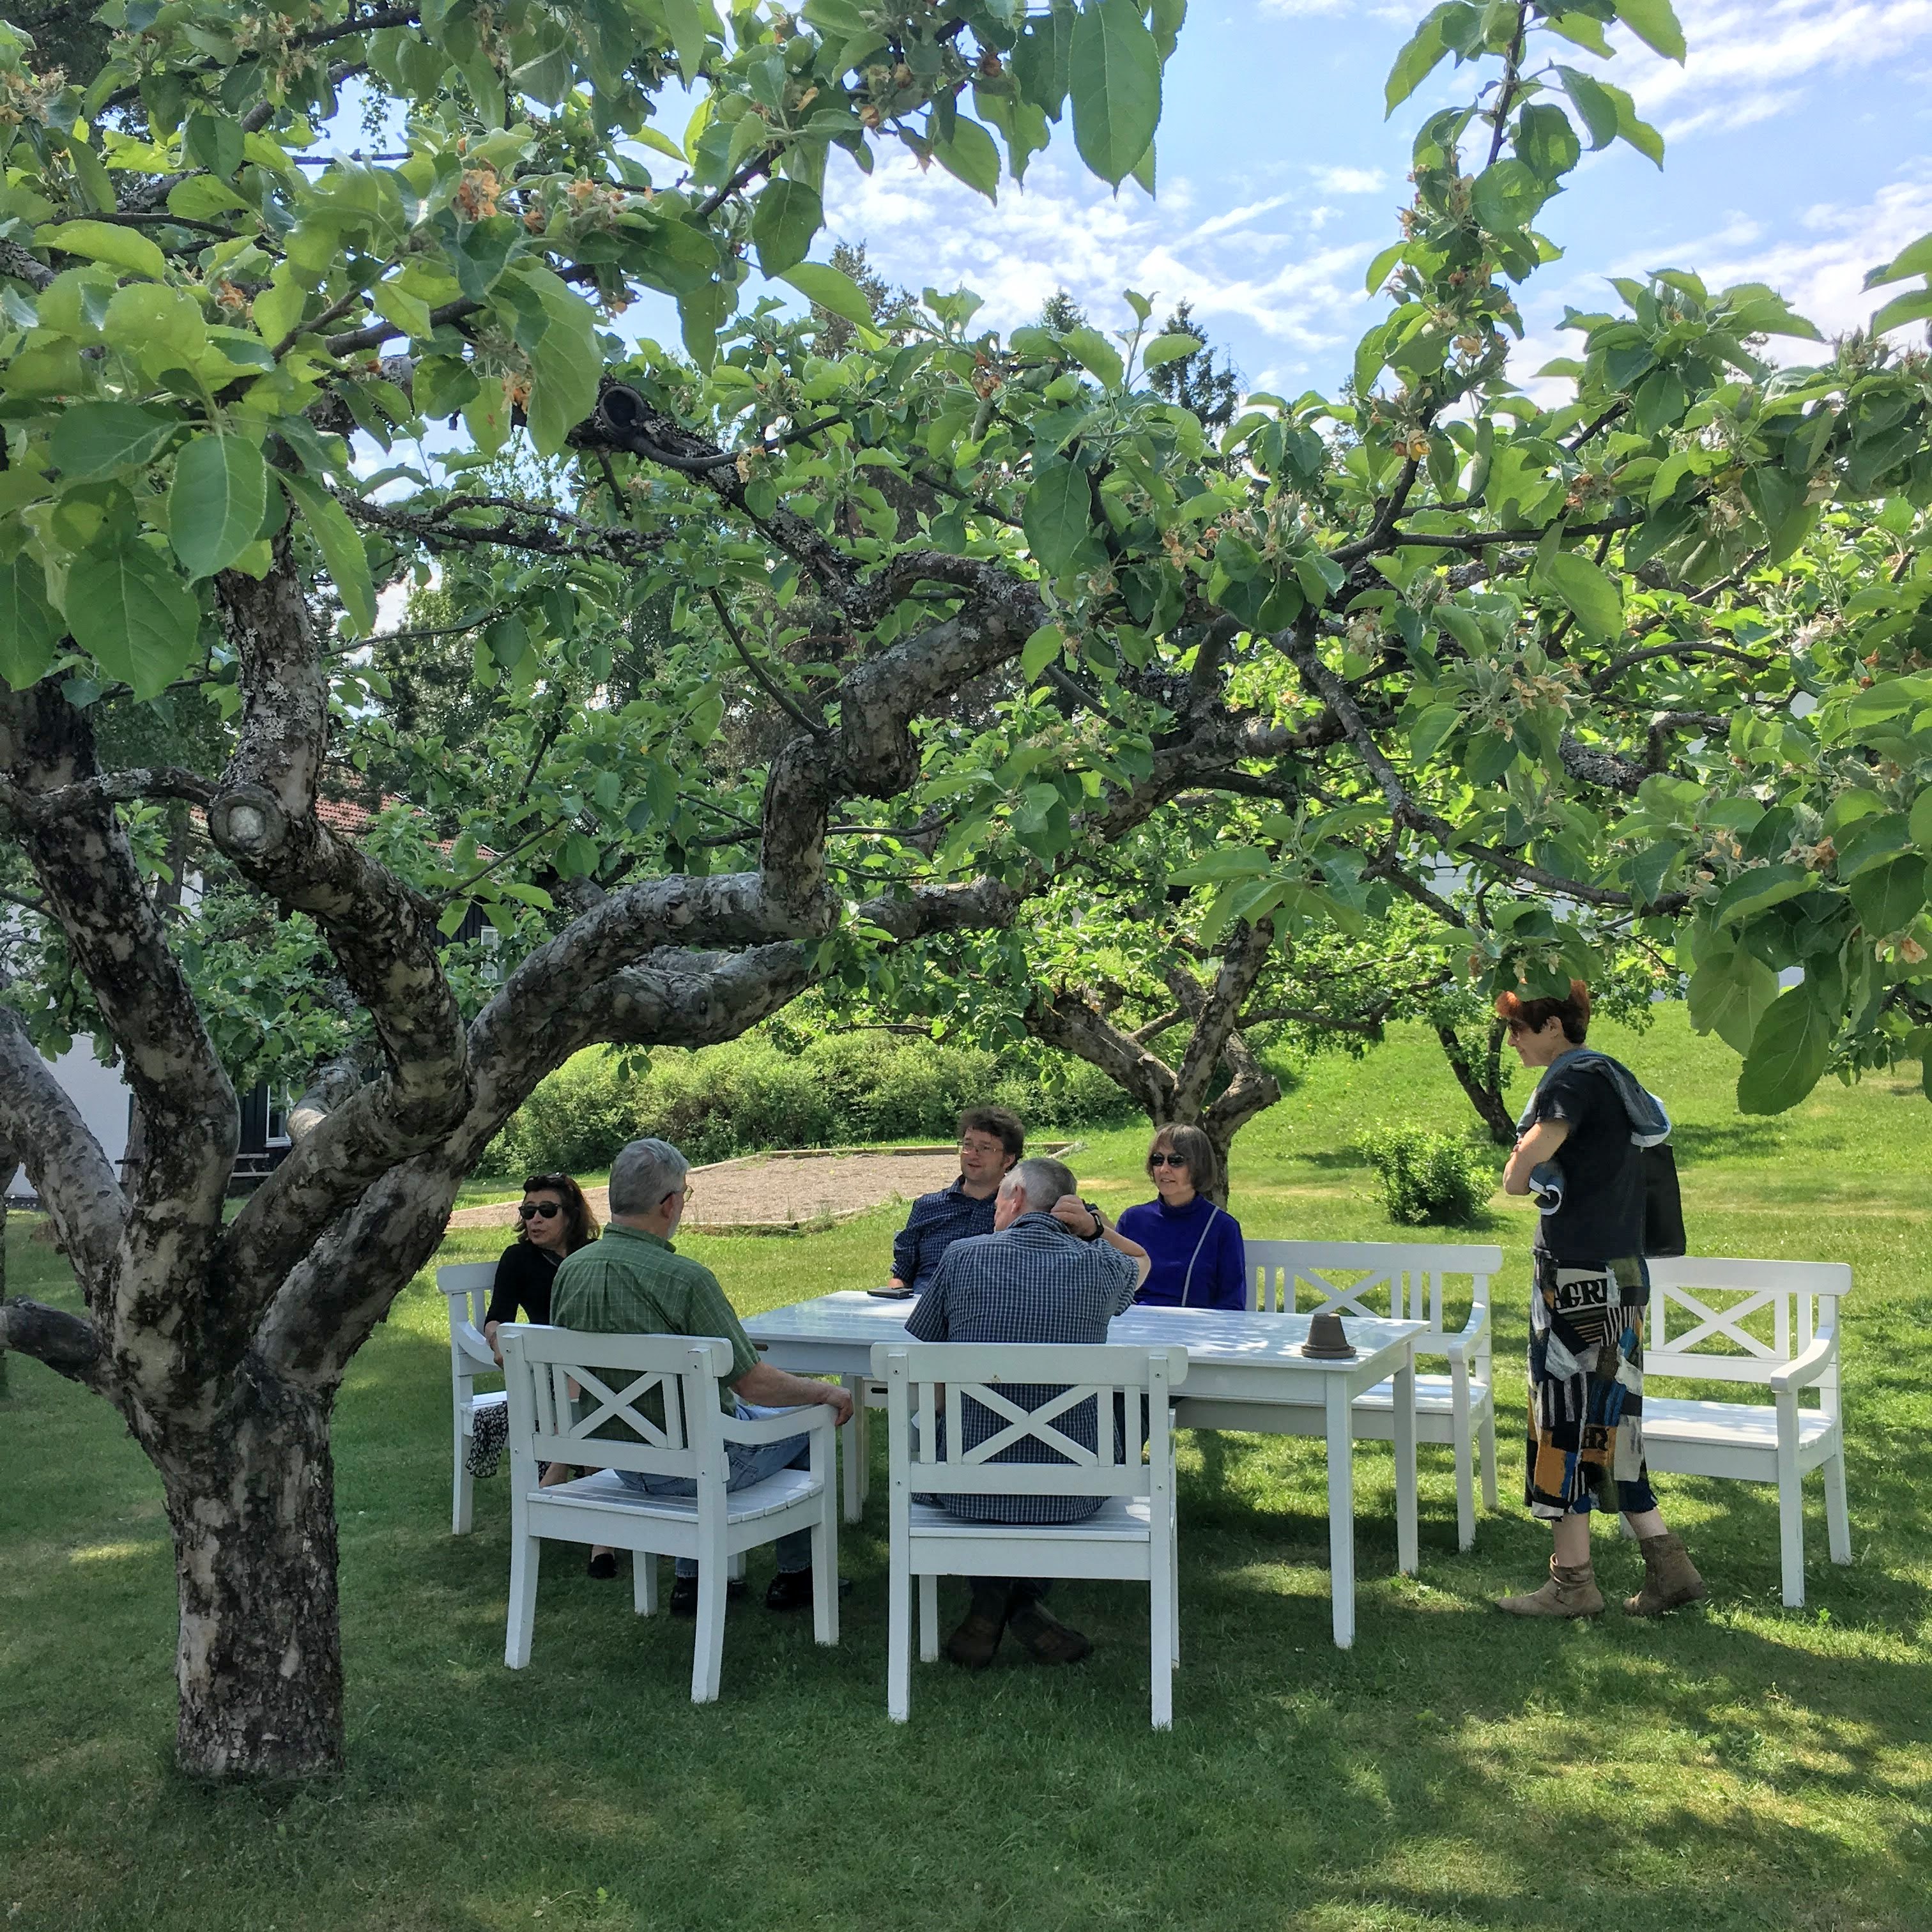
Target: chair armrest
[776, 1428]
[1459, 1347]
[472, 1339]
[1805, 1368]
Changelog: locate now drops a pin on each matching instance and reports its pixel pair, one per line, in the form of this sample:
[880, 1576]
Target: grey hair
[643, 1174]
[1040, 1183]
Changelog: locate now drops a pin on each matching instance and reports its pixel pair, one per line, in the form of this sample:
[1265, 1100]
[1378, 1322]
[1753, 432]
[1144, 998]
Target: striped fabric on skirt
[1585, 1446]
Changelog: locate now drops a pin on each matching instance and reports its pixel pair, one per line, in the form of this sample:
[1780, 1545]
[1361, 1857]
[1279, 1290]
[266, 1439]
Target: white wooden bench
[1456, 1411]
[1778, 1331]
[1132, 1536]
[467, 1285]
[547, 1368]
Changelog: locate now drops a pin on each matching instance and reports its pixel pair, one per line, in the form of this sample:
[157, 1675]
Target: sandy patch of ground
[784, 1192]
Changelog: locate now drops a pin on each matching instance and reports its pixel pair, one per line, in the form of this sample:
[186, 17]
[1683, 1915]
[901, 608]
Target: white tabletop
[851, 1320]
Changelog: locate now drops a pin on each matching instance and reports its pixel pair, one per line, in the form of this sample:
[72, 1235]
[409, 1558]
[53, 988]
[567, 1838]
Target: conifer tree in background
[1192, 382]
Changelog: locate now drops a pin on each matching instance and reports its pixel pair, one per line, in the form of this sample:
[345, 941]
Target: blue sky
[1799, 140]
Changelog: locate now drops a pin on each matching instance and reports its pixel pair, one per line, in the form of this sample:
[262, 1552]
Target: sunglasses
[1167, 1160]
[549, 1209]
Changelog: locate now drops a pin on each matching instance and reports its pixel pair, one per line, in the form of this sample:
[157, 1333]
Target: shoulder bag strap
[1187, 1281]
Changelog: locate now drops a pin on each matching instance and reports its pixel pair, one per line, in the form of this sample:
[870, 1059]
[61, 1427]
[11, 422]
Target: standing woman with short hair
[1586, 1312]
[1194, 1244]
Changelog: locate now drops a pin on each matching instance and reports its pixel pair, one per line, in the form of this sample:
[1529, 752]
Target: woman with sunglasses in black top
[554, 1220]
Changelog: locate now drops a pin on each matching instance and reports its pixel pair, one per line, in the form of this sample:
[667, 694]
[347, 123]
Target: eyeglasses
[988, 1147]
[1167, 1160]
[549, 1209]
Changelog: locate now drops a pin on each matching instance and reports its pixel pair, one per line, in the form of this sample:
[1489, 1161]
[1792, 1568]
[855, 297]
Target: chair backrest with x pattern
[1392, 1280]
[655, 1396]
[1036, 1402]
[1731, 1321]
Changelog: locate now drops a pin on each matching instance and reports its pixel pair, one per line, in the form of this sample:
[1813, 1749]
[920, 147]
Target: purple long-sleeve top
[1196, 1252]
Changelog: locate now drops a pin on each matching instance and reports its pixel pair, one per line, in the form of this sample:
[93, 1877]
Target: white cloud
[1350, 180]
[1817, 262]
[1750, 58]
[1303, 10]
[1820, 271]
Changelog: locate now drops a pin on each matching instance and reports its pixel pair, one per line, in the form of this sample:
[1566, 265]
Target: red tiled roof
[348, 818]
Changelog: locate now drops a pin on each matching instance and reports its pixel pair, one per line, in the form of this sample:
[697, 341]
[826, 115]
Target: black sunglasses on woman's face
[1167, 1160]
[549, 1209]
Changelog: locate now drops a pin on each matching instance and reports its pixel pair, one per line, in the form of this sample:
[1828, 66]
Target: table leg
[852, 1456]
[1341, 1512]
[1405, 1466]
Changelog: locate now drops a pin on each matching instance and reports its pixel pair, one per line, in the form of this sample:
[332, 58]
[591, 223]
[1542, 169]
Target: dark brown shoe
[1047, 1639]
[972, 1645]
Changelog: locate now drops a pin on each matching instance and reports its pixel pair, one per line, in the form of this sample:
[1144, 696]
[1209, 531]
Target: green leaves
[1653, 23]
[29, 630]
[1728, 995]
[1057, 515]
[1592, 101]
[215, 507]
[1789, 1051]
[126, 248]
[1609, 112]
[969, 154]
[1114, 76]
[1915, 259]
[91, 439]
[1416, 62]
[1759, 889]
[1041, 649]
[1096, 355]
[832, 290]
[565, 365]
[785, 218]
[327, 523]
[1165, 349]
[132, 615]
[1889, 897]
[1592, 597]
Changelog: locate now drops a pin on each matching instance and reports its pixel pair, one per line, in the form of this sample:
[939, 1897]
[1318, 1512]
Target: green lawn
[1734, 1766]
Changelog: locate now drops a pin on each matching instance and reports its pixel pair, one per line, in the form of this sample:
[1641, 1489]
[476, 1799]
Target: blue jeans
[749, 1463]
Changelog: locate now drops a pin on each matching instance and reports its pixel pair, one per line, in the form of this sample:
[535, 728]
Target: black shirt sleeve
[1576, 1097]
[523, 1278]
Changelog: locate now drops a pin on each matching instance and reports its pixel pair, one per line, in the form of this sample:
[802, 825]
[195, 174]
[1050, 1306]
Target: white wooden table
[1232, 1361]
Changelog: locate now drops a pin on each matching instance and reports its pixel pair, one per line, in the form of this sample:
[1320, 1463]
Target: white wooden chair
[467, 1284]
[1779, 1331]
[615, 1374]
[1399, 1281]
[1133, 1535]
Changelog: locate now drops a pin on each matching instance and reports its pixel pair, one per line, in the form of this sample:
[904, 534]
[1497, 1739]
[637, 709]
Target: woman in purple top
[1195, 1245]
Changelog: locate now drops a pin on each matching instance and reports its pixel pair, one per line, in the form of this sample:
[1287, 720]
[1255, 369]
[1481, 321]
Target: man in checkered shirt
[1051, 1271]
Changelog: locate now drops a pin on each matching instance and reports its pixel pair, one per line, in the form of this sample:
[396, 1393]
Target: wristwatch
[1099, 1221]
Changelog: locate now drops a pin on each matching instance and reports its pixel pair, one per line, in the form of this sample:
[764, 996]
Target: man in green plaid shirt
[633, 1281]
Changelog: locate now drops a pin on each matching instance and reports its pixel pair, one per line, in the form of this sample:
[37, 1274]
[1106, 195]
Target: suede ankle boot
[1670, 1579]
[1571, 1592]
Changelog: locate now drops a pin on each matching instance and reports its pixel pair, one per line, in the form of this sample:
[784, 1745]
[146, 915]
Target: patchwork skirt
[1585, 1445]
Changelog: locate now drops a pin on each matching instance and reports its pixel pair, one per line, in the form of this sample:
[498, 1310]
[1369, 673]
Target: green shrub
[1426, 1176]
[743, 1098]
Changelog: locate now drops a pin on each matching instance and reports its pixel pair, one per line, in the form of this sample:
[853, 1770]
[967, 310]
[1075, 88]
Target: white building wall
[102, 1097]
